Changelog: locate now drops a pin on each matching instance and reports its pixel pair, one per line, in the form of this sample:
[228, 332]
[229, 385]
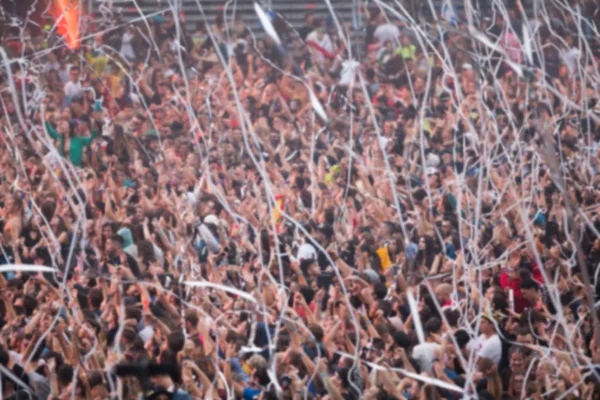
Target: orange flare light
[66, 15]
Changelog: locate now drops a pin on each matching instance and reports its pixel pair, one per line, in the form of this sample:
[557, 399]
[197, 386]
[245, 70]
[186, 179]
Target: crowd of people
[408, 210]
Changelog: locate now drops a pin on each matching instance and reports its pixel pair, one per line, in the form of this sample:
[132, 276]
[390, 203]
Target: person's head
[462, 339]
[209, 207]
[452, 317]
[98, 390]
[107, 230]
[260, 377]
[310, 268]
[529, 290]
[424, 244]
[191, 321]
[396, 246]
[379, 291]
[432, 327]
[443, 292]
[516, 359]
[515, 386]
[446, 227]
[486, 366]
[487, 326]
[64, 375]
[176, 341]
[341, 378]
[375, 349]
[389, 45]
[83, 127]
[524, 336]
[317, 332]
[95, 298]
[153, 143]
[167, 372]
[491, 292]
[309, 19]
[15, 286]
[323, 233]
[74, 74]
[320, 32]
[114, 245]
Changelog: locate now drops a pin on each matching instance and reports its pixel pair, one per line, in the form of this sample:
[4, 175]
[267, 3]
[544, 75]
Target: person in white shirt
[321, 39]
[488, 344]
[387, 32]
[127, 50]
[73, 88]
[426, 353]
[306, 252]
[52, 64]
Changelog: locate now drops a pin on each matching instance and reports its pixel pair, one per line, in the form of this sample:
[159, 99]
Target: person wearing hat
[129, 246]
[152, 148]
[488, 343]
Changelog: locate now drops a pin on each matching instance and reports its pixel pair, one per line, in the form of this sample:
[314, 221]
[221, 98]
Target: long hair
[426, 256]
[511, 384]
[494, 383]
[429, 392]
[121, 146]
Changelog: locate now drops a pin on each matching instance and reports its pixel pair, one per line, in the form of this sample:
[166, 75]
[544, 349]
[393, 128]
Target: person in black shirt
[323, 236]
[308, 26]
[116, 256]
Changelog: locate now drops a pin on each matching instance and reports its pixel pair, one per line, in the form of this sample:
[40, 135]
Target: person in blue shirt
[258, 381]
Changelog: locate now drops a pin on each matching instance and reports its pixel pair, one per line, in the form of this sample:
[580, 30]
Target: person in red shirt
[511, 280]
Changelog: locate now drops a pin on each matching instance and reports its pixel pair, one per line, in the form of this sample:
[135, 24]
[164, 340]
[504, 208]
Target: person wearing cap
[488, 343]
[129, 246]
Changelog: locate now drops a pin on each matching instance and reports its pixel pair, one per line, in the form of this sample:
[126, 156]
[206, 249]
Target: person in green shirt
[73, 145]
[407, 49]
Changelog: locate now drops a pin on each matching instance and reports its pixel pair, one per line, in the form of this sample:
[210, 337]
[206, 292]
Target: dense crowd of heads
[404, 209]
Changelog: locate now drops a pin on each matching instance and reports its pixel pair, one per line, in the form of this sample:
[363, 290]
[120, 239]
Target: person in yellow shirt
[114, 80]
[407, 50]
[96, 56]
[391, 253]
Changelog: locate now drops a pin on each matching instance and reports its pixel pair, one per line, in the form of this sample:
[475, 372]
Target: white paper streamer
[350, 71]
[420, 377]
[25, 268]
[317, 106]
[266, 23]
[228, 289]
[416, 318]
[210, 241]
